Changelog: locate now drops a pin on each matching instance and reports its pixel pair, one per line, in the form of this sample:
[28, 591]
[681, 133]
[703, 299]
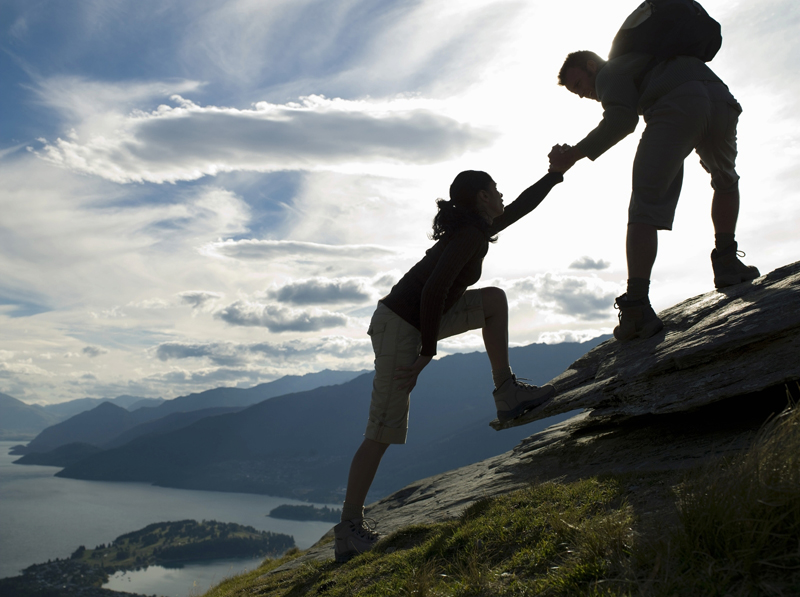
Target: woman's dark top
[436, 282]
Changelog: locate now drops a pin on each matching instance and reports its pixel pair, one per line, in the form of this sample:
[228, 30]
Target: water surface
[45, 517]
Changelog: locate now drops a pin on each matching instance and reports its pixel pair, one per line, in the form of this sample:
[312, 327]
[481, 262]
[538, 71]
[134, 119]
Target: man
[685, 107]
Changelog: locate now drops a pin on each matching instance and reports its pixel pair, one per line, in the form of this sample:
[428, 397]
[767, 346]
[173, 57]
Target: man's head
[578, 73]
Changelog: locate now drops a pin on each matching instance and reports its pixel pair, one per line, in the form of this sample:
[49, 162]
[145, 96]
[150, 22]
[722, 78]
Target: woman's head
[466, 186]
[473, 199]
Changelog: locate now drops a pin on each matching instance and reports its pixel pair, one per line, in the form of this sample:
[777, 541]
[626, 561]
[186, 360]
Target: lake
[43, 517]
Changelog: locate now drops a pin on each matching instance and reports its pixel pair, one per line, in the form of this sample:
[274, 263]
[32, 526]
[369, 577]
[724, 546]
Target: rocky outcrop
[715, 346]
[647, 410]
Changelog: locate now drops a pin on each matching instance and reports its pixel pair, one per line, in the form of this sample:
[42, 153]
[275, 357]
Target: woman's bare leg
[495, 329]
[362, 471]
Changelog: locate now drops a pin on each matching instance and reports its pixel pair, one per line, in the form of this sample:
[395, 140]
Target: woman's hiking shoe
[728, 269]
[352, 537]
[514, 398]
[636, 319]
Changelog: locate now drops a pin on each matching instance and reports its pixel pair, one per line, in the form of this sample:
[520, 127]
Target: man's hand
[409, 374]
[563, 157]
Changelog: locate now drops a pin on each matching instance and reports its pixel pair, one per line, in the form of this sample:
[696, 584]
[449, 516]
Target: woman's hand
[410, 374]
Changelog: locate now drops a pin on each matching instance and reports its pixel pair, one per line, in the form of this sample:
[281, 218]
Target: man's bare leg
[641, 247]
[637, 318]
[728, 269]
[725, 212]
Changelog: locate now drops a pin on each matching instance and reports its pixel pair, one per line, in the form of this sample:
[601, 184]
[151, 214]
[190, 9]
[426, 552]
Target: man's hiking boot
[729, 270]
[352, 537]
[636, 319]
[513, 398]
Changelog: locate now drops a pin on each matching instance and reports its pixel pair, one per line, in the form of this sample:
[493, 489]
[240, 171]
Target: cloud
[209, 377]
[340, 347]
[95, 106]
[583, 298]
[188, 141]
[219, 353]
[179, 350]
[7, 369]
[461, 343]
[374, 47]
[269, 250]
[94, 351]
[561, 336]
[155, 303]
[279, 319]
[198, 298]
[589, 263]
[323, 291]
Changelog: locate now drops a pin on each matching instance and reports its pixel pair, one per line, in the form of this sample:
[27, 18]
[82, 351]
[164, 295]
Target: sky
[199, 193]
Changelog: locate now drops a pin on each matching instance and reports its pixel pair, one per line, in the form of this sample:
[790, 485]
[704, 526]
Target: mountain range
[300, 444]
[107, 420]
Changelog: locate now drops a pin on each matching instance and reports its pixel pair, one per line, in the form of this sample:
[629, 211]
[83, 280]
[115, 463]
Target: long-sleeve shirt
[623, 102]
[438, 280]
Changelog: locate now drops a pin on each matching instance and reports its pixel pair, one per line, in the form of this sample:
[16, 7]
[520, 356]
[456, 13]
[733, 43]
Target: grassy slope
[731, 527]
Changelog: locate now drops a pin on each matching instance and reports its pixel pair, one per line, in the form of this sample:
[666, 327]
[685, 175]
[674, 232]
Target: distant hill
[240, 397]
[105, 427]
[65, 410]
[20, 421]
[168, 423]
[101, 425]
[96, 427]
[145, 403]
[300, 444]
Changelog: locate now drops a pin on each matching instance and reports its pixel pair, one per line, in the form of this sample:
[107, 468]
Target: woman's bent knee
[494, 298]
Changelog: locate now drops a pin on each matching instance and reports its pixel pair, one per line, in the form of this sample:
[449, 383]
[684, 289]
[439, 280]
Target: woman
[429, 303]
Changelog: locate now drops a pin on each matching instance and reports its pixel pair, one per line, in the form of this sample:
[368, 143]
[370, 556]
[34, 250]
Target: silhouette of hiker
[685, 107]
[429, 303]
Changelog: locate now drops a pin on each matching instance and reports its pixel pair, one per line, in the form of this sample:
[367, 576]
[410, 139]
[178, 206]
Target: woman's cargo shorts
[397, 344]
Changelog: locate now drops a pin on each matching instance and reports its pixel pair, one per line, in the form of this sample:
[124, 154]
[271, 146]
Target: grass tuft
[740, 517]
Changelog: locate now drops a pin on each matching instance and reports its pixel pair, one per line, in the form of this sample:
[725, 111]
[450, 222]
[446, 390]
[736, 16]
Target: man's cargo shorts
[397, 344]
[700, 116]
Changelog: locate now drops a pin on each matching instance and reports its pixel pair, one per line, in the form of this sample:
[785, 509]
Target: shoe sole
[733, 280]
[345, 556]
[528, 406]
[648, 330]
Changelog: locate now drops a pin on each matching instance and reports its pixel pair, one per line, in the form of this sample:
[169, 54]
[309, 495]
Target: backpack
[668, 28]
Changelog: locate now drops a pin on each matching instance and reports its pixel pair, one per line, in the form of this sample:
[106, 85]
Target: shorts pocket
[376, 333]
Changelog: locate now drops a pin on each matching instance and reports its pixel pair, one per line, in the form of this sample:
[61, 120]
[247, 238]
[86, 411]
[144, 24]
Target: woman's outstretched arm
[526, 202]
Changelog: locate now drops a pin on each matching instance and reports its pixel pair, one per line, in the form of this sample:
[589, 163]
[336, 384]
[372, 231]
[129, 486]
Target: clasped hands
[562, 158]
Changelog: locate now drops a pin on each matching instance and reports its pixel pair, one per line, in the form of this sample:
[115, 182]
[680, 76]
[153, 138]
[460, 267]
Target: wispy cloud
[251, 249]
[188, 141]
